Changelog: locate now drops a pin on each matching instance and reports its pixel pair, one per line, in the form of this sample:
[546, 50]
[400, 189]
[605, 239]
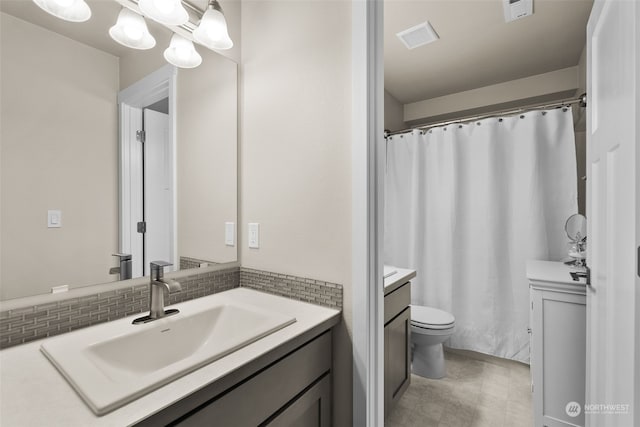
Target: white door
[131, 188]
[158, 193]
[613, 323]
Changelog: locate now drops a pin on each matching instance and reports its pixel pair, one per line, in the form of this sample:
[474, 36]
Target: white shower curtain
[467, 205]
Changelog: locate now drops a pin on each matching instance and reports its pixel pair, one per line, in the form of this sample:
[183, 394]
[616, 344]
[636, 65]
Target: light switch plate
[254, 235]
[229, 233]
[54, 218]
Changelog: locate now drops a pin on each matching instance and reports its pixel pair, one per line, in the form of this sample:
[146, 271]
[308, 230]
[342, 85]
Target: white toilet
[430, 327]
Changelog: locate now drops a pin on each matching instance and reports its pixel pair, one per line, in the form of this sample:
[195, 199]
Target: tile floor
[478, 391]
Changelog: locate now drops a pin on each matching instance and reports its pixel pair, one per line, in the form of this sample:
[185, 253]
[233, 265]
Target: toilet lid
[432, 318]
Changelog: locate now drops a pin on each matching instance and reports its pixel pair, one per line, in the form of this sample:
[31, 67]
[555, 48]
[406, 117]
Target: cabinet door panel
[312, 409]
[397, 358]
[558, 357]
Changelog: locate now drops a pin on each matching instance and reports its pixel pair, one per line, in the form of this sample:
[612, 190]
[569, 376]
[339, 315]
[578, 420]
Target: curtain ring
[500, 119]
[522, 116]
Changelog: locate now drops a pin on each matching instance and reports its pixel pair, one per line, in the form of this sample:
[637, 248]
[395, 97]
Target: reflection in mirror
[62, 172]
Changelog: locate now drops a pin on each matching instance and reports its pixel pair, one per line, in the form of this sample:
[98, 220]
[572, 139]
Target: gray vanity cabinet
[558, 347]
[292, 390]
[397, 345]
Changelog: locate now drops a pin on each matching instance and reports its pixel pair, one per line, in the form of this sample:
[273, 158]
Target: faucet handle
[158, 267]
[160, 264]
[122, 257]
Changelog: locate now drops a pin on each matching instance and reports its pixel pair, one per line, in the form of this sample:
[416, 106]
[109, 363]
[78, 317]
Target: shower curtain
[466, 205]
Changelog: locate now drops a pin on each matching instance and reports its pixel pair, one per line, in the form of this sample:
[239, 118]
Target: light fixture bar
[185, 29]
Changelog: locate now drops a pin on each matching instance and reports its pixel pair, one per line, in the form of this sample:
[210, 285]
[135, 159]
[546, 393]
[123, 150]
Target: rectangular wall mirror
[79, 180]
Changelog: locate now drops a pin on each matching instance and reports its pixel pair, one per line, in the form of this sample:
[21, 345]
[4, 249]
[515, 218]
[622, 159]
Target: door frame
[158, 85]
[367, 160]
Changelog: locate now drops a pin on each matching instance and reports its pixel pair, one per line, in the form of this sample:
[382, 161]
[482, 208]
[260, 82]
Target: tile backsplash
[300, 288]
[29, 323]
[40, 321]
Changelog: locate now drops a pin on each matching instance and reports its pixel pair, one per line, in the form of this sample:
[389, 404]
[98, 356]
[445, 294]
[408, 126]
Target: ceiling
[95, 31]
[477, 47]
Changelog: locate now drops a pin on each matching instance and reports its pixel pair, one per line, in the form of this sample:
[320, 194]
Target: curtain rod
[581, 100]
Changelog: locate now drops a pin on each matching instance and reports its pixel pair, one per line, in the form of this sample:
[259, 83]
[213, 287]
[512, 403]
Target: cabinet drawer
[253, 401]
[396, 302]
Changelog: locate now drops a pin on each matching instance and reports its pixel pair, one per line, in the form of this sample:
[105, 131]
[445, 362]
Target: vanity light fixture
[182, 53]
[69, 10]
[212, 31]
[168, 12]
[131, 31]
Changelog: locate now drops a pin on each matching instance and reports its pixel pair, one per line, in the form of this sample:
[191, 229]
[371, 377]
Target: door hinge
[142, 227]
[141, 136]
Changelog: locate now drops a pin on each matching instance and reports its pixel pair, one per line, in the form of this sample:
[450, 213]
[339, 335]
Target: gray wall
[295, 152]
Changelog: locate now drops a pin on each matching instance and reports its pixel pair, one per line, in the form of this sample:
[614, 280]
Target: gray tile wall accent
[300, 288]
[35, 322]
[188, 263]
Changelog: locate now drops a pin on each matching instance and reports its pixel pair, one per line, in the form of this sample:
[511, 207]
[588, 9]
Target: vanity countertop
[552, 273]
[397, 279]
[33, 392]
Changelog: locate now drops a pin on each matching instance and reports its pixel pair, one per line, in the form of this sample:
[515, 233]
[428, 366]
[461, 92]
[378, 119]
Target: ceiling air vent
[418, 36]
[516, 9]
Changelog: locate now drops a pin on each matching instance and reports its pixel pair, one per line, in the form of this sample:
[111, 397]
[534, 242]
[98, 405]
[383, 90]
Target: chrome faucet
[124, 268]
[156, 293]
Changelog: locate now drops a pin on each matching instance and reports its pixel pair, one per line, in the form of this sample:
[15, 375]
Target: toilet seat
[431, 318]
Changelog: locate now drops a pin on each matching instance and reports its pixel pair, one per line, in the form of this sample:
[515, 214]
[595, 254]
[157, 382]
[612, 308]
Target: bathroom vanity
[282, 378]
[558, 344]
[397, 335]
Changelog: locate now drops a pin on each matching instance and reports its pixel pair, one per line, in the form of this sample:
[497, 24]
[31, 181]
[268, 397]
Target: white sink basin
[116, 362]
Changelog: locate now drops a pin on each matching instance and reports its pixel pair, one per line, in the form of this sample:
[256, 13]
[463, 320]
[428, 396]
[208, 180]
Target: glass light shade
[182, 53]
[131, 31]
[69, 10]
[212, 31]
[168, 12]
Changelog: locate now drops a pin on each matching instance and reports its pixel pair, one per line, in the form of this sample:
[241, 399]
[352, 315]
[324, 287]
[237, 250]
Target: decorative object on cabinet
[576, 229]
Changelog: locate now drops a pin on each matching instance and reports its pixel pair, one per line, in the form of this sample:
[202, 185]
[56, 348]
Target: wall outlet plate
[229, 233]
[254, 235]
